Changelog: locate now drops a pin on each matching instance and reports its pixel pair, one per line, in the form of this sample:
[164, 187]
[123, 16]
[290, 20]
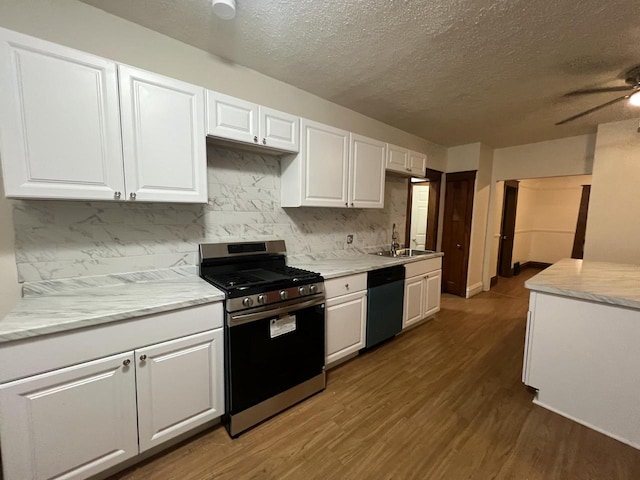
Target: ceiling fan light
[225, 9]
[635, 99]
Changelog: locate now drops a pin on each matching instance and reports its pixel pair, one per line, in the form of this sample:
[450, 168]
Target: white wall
[553, 158]
[613, 228]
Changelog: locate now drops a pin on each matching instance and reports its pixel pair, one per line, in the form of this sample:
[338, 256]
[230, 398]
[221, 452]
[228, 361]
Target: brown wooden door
[508, 228]
[581, 225]
[456, 231]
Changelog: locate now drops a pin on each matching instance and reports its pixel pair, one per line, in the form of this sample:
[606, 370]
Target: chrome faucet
[394, 242]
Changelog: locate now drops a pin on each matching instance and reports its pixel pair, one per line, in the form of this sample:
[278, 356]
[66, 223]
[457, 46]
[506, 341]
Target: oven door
[272, 350]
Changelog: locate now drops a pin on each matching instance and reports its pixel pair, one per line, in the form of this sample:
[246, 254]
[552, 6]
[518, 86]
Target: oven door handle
[235, 320]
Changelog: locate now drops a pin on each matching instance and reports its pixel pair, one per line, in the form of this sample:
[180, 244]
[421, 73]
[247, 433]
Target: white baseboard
[474, 289]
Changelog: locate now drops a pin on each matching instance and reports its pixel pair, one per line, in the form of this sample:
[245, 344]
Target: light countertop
[60, 305]
[52, 307]
[612, 283]
[341, 263]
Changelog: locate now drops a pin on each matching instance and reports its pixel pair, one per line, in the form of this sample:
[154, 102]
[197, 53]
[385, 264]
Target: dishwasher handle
[384, 276]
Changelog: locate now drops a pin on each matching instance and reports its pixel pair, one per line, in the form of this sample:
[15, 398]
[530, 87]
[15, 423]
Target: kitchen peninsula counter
[581, 346]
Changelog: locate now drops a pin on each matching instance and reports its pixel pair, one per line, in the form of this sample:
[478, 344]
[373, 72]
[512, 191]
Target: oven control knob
[302, 291]
[313, 289]
[283, 294]
[262, 299]
[247, 301]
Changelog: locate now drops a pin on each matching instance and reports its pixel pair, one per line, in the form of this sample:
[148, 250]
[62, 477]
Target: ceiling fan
[632, 80]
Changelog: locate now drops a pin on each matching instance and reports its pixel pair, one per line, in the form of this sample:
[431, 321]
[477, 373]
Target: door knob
[458, 246]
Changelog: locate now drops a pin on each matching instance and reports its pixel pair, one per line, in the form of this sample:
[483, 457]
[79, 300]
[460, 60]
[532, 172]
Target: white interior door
[59, 121]
[419, 213]
[164, 138]
[180, 386]
[70, 423]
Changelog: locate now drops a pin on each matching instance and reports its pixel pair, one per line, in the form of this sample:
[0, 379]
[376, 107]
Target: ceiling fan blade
[587, 91]
[591, 110]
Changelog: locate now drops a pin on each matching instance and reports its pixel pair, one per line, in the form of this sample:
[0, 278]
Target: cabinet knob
[117, 195]
[132, 196]
[346, 204]
[264, 141]
[408, 169]
[352, 204]
[346, 285]
[143, 358]
[126, 363]
[255, 138]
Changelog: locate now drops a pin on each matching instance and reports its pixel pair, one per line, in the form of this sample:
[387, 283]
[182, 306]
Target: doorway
[423, 205]
[456, 231]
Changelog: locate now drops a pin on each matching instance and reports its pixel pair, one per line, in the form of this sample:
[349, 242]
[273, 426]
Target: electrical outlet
[349, 238]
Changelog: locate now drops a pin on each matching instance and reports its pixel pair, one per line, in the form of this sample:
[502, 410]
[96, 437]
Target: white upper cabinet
[367, 166]
[333, 169]
[235, 119]
[231, 118]
[69, 132]
[279, 130]
[405, 161]
[60, 122]
[397, 159]
[417, 163]
[164, 138]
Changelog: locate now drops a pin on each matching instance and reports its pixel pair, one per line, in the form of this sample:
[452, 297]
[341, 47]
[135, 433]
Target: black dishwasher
[385, 301]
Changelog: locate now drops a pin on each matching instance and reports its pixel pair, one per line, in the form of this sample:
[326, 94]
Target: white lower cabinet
[80, 420]
[70, 423]
[346, 316]
[422, 289]
[178, 387]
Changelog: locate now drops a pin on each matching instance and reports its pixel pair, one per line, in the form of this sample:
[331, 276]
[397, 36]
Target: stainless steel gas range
[274, 329]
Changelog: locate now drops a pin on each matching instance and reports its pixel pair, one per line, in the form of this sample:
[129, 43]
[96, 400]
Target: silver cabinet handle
[408, 169]
[126, 363]
[132, 196]
[255, 138]
[264, 141]
[352, 204]
[346, 286]
[117, 195]
[346, 204]
[143, 358]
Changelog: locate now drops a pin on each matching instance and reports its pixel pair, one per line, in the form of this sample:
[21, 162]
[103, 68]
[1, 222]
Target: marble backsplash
[66, 239]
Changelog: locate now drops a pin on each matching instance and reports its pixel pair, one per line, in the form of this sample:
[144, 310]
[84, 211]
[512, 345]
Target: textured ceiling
[451, 71]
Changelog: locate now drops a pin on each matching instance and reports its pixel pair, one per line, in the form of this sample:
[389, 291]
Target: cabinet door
[279, 130]
[59, 121]
[397, 159]
[368, 159]
[70, 423]
[231, 118]
[417, 163]
[433, 284]
[164, 138]
[414, 292]
[346, 318]
[325, 173]
[180, 386]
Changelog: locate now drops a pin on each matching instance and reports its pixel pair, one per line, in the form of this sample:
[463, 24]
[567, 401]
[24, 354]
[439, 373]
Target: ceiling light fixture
[634, 99]
[225, 9]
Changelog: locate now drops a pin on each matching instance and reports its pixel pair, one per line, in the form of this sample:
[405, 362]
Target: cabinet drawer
[423, 266]
[344, 285]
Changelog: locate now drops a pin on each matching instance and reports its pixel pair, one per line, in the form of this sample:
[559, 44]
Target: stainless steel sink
[403, 252]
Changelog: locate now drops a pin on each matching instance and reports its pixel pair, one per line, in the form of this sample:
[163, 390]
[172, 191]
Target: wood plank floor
[443, 400]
